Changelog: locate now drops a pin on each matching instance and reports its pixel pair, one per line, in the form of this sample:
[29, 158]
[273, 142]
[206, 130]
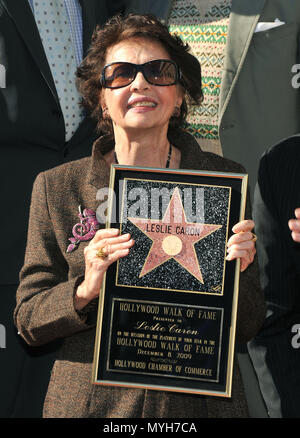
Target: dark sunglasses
[161, 72]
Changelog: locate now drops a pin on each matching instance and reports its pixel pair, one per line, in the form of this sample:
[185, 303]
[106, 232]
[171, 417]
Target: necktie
[52, 23]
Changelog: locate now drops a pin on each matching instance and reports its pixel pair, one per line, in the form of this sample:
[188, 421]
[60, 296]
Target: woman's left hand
[294, 226]
[242, 243]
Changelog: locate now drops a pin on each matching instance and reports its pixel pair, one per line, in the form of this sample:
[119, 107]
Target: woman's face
[140, 105]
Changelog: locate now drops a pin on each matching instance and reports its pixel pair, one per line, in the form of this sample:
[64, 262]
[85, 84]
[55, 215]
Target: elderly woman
[135, 82]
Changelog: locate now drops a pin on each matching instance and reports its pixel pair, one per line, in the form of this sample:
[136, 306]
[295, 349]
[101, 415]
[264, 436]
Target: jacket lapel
[244, 17]
[21, 14]
[89, 21]
[99, 171]
[23, 18]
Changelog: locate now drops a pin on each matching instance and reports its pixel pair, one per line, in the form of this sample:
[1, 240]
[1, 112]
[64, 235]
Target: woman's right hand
[115, 246]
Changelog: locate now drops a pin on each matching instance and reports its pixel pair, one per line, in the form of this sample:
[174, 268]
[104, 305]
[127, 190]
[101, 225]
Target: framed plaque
[167, 311]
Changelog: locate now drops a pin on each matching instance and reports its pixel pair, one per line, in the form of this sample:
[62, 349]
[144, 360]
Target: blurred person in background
[275, 350]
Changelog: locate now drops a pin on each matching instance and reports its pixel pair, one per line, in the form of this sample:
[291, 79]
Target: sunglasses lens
[161, 72]
[119, 75]
[158, 72]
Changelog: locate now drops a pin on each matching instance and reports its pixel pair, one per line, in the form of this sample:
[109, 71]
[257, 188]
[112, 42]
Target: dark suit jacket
[45, 309]
[32, 135]
[276, 197]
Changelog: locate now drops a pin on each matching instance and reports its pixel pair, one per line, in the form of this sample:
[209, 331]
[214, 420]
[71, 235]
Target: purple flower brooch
[85, 229]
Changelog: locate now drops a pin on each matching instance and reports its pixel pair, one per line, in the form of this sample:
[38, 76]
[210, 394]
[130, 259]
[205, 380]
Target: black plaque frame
[166, 329]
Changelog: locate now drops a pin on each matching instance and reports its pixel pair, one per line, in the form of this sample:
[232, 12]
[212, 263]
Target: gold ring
[254, 238]
[101, 253]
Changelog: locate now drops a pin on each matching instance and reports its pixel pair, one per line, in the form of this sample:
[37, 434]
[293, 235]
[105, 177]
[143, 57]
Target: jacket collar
[98, 174]
[243, 20]
[192, 157]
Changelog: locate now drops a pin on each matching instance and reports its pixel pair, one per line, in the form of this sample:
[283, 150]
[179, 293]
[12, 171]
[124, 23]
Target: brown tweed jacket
[49, 277]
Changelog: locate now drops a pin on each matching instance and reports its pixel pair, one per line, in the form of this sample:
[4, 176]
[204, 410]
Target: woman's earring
[105, 113]
[176, 112]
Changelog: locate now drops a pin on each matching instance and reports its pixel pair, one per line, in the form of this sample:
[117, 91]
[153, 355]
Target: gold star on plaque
[174, 237]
